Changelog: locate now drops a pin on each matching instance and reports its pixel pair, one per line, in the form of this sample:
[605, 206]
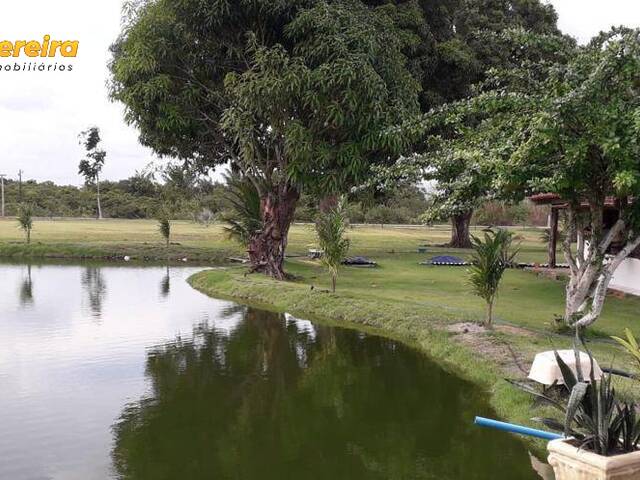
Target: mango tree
[294, 94]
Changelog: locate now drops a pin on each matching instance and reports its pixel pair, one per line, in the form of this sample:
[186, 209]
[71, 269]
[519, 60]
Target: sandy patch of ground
[480, 339]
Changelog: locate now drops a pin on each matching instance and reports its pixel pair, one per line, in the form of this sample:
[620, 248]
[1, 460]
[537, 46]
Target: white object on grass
[545, 369]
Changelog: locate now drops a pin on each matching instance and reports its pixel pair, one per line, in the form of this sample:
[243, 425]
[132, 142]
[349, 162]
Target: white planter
[571, 463]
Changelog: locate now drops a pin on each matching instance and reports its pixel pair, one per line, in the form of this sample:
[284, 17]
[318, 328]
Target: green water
[119, 372]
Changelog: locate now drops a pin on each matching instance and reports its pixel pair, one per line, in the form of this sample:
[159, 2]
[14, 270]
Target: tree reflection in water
[277, 398]
[96, 288]
[165, 284]
[26, 290]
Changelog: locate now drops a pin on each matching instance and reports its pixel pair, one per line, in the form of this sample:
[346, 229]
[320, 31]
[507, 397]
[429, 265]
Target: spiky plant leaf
[568, 376]
[578, 392]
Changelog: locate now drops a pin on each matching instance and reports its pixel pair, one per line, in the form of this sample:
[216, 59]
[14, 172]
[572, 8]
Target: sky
[42, 113]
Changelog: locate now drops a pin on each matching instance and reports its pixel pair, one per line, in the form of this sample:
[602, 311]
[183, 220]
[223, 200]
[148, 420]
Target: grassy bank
[140, 239]
[425, 306]
[423, 328]
[113, 239]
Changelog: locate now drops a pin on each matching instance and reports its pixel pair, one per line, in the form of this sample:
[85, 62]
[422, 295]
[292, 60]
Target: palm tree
[25, 220]
[244, 219]
[493, 255]
[331, 227]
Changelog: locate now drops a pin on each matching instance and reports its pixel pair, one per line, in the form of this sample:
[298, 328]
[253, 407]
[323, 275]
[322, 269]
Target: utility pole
[2, 175]
[20, 186]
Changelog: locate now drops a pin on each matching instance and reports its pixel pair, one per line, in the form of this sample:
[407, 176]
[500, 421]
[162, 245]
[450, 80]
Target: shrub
[25, 220]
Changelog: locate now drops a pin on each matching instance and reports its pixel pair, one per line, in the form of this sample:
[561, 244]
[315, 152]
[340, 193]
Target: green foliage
[460, 145]
[499, 213]
[493, 255]
[243, 219]
[331, 228]
[403, 205]
[630, 344]
[136, 197]
[164, 227]
[582, 140]
[92, 164]
[294, 94]
[25, 220]
[307, 86]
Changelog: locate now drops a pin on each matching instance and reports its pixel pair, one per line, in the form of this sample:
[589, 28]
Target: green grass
[113, 239]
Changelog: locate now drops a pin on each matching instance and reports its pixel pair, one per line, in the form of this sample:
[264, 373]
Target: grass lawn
[111, 239]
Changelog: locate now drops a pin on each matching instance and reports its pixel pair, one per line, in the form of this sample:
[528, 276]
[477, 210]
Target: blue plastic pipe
[510, 427]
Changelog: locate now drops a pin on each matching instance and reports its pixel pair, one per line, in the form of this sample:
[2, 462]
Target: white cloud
[585, 18]
[42, 113]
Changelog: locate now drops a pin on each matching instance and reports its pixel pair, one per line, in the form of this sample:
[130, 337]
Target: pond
[121, 372]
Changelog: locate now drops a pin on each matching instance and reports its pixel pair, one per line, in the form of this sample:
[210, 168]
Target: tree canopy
[583, 144]
[294, 94]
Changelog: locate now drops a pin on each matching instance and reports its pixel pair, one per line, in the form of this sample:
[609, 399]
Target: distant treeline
[191, 197]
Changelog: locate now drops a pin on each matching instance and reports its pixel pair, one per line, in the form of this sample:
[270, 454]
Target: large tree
[461, 144]
[583, 144]
[461, 45]
[295, 94]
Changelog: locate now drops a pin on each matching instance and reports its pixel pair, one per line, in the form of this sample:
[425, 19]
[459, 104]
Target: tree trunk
[591, 268]
[460, 235]
[333, 283]
[99, 205]
[489, 320]
[553, 237]
[267, 247]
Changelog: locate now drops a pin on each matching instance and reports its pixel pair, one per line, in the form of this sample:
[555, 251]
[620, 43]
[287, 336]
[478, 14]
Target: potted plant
[602, 433]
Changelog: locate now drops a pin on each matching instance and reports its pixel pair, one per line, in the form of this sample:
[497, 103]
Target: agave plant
[593, 416]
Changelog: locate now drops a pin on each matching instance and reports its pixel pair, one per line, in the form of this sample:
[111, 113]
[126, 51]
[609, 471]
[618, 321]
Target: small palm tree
[331, 227]
[630, 344]
[164, 225]
[493, 255]
[25, 220]
[245, 219]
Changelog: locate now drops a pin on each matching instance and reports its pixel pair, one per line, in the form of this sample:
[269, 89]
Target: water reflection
[280, 398]
[165, 284]
[95, 287]
[26, 289]
[182, 386]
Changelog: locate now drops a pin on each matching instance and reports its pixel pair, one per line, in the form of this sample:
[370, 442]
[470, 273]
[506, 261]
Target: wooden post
[553, 236]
